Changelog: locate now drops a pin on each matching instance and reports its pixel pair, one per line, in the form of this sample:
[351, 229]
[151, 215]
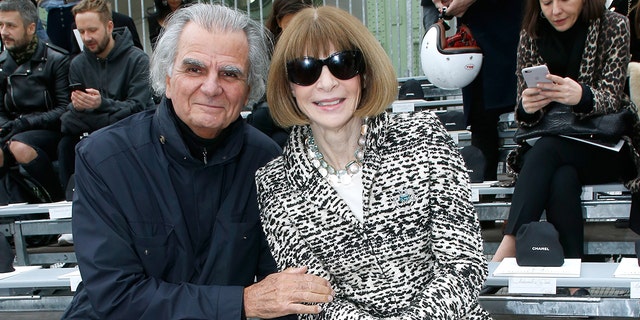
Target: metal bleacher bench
[592, 275]
[40, 289]
[434, 98]
[16, 224]
[601, 204]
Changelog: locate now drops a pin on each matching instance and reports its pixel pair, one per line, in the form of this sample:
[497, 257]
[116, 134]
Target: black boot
[41, 170]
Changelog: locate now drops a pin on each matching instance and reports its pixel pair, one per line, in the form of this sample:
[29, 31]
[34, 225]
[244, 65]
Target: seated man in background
[165, 214]
[109, 80]
[33, 94]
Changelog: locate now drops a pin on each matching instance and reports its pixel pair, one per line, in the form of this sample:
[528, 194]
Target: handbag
[560, 120]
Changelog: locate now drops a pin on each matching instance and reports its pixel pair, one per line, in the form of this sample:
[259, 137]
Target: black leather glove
[12, 127]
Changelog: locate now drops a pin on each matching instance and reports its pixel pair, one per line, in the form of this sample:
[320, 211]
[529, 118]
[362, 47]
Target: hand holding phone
[77, 86]
[534, 75]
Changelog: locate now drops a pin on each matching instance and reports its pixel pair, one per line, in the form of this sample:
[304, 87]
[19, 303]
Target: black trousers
[551, 180]
[45, 140]
[484, 136]
[67, 158]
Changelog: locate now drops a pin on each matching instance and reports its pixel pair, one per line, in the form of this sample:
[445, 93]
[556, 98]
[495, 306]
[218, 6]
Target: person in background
[63, 23]
[165, 215]
[629, 8]
[576, 40]
[377, 203]
[158, 15]
[59, 22]
[495, 25]
[114, 76]
[123, 20]
[430, 13]
[281, 13]
[33, 94]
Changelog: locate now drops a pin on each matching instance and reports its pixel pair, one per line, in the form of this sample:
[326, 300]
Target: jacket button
[146, 252]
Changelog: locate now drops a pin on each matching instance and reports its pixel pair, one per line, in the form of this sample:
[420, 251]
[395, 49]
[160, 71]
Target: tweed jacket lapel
[325, 201]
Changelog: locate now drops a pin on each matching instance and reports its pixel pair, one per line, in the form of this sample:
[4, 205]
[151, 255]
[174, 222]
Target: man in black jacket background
[33, 95]
[114, 74]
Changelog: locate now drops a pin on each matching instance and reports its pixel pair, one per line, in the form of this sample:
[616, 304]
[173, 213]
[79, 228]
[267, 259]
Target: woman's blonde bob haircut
[311, 32]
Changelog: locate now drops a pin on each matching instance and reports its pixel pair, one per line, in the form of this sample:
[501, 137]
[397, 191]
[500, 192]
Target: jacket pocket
[151, 241]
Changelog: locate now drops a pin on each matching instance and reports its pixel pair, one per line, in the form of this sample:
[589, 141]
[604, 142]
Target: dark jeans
[551, 180]
[66, 158]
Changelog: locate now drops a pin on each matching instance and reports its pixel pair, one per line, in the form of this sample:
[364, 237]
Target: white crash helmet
[453, 62]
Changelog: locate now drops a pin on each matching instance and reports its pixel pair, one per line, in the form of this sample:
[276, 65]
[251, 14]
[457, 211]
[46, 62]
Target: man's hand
[287, 292]
[89, 100]
[455, 8]
[12, 127]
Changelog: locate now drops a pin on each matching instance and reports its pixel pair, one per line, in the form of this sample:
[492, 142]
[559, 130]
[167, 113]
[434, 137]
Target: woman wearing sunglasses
[377, 203]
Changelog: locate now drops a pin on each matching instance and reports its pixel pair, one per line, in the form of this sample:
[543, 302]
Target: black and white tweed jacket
[418, 254]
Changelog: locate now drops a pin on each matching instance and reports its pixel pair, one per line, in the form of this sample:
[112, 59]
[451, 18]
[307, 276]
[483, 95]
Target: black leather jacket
[37, 90]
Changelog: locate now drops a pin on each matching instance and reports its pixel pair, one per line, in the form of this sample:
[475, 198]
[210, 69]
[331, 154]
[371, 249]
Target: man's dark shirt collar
[199, 146]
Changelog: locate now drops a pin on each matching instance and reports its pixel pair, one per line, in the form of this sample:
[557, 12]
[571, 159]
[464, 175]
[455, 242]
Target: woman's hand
[562, 90]
[533, 100]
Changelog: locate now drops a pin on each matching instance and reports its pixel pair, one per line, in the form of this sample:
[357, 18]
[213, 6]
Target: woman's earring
[542, 15]
[165, 3]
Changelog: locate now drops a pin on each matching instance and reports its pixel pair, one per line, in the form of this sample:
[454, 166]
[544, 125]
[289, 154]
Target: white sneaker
[65, 239]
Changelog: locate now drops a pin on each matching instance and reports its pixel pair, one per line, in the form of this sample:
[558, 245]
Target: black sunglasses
[343, 65]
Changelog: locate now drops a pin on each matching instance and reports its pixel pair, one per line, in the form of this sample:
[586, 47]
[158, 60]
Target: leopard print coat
[603, 68]
[418, 254]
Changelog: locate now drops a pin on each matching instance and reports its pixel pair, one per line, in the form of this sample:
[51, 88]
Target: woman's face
[329, 103]
[174, 4]
[561, 14]
[284, 21]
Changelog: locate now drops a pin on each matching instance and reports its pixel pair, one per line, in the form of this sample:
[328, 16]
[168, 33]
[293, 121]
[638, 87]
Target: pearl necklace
[342, 176]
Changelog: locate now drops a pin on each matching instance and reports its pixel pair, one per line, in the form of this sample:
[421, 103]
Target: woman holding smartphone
[586, 49]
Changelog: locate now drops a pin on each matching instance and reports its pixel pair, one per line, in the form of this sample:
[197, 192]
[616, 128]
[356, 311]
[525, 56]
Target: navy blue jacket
[160, 234]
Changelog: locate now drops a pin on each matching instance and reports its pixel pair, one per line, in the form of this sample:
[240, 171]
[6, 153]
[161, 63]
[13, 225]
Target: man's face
[95, 34]
[15, 36]
[208, 82]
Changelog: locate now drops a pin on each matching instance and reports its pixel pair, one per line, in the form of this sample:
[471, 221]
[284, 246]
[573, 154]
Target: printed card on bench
[532, 285]
[403, 106]
[510, 268]
[59, 210]
[628, 268]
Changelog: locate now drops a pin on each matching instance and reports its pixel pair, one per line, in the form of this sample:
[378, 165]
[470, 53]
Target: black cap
[410, 90]
[538, 245]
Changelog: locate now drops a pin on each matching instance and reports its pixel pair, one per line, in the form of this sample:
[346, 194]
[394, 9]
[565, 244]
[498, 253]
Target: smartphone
[535, 74]
[77, 86]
